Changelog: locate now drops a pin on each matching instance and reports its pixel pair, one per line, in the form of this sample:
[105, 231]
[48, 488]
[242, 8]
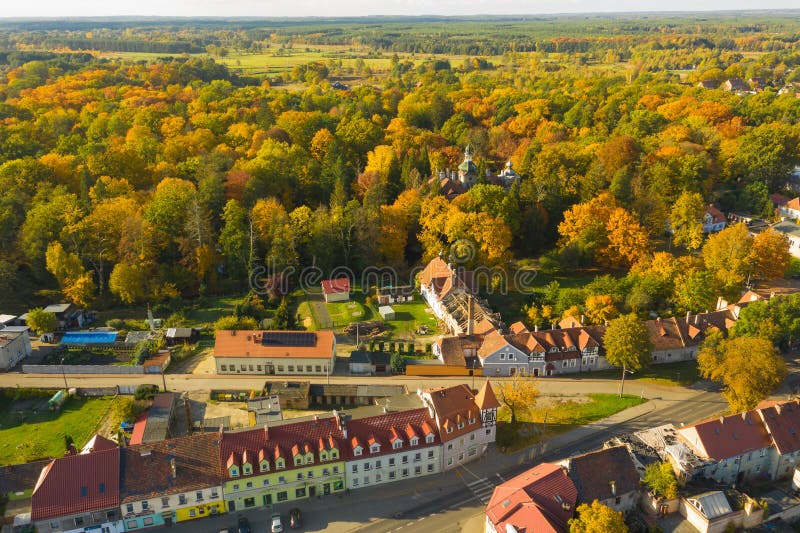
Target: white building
[14, 347]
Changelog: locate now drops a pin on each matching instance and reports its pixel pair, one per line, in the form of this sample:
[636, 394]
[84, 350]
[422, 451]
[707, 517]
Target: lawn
[558, 417]
[343, 313]
[42, 434]
[680, 374]
[409, 317]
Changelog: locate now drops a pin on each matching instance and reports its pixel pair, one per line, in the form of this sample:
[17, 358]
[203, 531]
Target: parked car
[295, 518]
[244, 525]
[277, 525]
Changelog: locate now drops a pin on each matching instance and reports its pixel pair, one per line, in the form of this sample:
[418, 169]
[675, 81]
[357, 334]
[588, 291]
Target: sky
[334, 8]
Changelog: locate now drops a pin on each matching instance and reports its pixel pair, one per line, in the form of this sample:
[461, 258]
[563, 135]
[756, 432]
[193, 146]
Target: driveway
[320, 311]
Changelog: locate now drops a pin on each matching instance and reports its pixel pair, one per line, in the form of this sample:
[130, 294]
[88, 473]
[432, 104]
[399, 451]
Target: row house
[542, 353]
[282, 463]
[79, 492]
[679, 339]
[465, 421]
[391, 447]
[171, 481]
[608, 476]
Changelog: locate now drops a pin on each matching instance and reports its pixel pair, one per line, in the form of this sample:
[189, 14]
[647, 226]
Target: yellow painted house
[283, 463]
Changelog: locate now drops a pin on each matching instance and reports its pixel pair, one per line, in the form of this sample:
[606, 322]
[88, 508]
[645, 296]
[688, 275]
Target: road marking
[410, 524]
[501, 478]
[420, 519]
[476, 482]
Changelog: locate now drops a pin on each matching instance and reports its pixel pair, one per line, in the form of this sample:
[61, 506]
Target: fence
[441, 370]
[82, 369]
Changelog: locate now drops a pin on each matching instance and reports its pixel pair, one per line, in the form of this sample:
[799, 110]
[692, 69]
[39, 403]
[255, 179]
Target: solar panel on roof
[288, 338]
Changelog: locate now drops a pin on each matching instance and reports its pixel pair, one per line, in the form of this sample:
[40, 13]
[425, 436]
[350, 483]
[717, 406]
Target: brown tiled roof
[387, 428]
[77, 484]
[716, 214]
[594, 473]
[147, 468]
[518, 327]
[540, 500]
[726, 437]
[450, 403]
[492, 342]
[570, 322]
[444, 279]
[778, 199]
[485, 399]
[782, 421]
[452, 348]
[274, 344]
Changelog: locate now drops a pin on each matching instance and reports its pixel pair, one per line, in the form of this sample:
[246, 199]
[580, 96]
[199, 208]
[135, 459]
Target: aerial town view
[400, 266]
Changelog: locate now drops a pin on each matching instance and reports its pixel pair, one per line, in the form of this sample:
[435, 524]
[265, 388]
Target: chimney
[470, 312]
[536, 328]
[613, 487]
[173, 468]
[719, 303]
[696, 319]
[583, 320]
[688, 314]
[722, 420]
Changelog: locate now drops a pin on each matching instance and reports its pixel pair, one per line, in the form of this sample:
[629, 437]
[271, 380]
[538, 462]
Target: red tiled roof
[77, 484]
[384, 430]
[485, 399]
[147, 469]
[449, 403]
[593, 474]
[252, 343]
[138, 428]
[794, 203]
[444, 279]
[335, 286]
[778, 199]
[518, 327]
[726, 437]
[716, 214]
[99, 443]
[782, 421]
[541, 499]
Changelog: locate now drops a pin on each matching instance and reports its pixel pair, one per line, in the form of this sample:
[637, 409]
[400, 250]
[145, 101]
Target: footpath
[344, 513]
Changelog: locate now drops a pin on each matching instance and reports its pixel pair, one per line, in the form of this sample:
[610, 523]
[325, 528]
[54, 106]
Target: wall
[82, 369]
[17, 349]
[366, 471]
[319, 365]
[440, 370]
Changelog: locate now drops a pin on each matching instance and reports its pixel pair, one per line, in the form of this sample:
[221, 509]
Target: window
[164, 502]
[55, 525]
[564, 363]
[192, 513]
[131, 524]
[404, 459]
[450, 429]
[264, 466]
[283, 496]
[405, 472]
[266, 482]
[471, 421]
[430, 454]
[334, 454]
[472, 452]
[250, 367]
[215, 494]
[502, 357]
[414, 441]
[299, 476]
[461, 456]
[355, 482]
[224, 368]
[618, 500]
[378, 464]
[417, 457]
[397, 444]
[472, 436]
[449, 461]
[84, 491]
[145, 505]
[290, 368]
[78, 521]
[318, 369]
[430, 467]
[309, 460]
[129, 508]
[280, 368]
[391, 474]
[357, 450]
[326, 472]
[429, 438]
[308, 368]
[378, 478]
[335, 469]
[355, 468]
[366, 480]
[182, 497]
[310, 474]
[417, 470]
[249, 502]
[391, 461]
[148, 521]
[461, 425]
[366, 466]
[243, 367]
[488, 431]
[449, 445]
[281, 479]
[249, 484]
[258, 367]
[300, 492]
[234, 471]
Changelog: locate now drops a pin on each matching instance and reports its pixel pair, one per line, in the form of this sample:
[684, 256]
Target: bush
[145, 392]
[661, 479]
[398, 363]
[234, 322]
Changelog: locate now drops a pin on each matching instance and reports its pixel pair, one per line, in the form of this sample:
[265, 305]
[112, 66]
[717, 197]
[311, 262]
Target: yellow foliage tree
[597, 518]
[519, 396]
[771, 257]
[600, 308]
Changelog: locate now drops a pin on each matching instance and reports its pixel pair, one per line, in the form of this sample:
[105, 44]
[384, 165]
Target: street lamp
[64, 374]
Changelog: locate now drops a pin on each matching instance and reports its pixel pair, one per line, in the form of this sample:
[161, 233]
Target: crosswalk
[482, 488]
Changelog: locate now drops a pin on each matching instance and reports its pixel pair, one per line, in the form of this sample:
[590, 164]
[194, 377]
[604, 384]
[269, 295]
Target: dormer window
[414, 441]
[280, 463]
[357, 450]
[334, 454]
[309, 459]
[264, 466]
[375, 448]
[450, 429]
[397, 444]
[471, 421]
[461, 425]
[234, 471]
[247, 468]
[323, 455]
[429, 438]
[298, 460]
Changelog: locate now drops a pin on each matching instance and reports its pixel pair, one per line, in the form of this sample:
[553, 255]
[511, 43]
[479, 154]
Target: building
[454, 183]
[451, 293]
[171, 481]
[336, 290]
[540, 500]
[390, 447]
[14, 347]
[366, 363]
[7, 320]
[175, 336]
[394, 294]
[782, 422]
[460, 351]
[386, 312]
[283, 463]
[713, 219]
[79, 493]
[275, 352]
[712, 512]
[156, 424]
[788, 208]
[465, 421]
[608, 476]
[728, 449]
[792, 232]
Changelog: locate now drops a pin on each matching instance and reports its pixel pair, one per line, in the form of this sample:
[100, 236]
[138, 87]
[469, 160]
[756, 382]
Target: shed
[181, 335]
[386, 312]
[336, 290]
[7, 320]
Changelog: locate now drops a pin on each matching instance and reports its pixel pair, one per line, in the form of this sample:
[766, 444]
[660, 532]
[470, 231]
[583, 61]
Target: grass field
[409, 317]
[559, 416]
[343, 313]
[673, 374]
[26, 436]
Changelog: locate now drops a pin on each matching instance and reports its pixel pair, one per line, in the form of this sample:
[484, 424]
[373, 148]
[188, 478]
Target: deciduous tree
[597, 518]
[627, 345]
[686, 220]
[519, 396]
[42, 321]
[771, 257]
